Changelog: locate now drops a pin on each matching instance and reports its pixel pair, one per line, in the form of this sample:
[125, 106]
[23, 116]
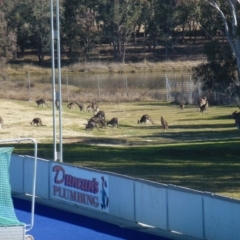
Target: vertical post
[53, 82]
[99, 97]
[29, 87]
[190, 86]
[67, 87]
[182, 90]
[127, 87]
[59, 81]
[166, 86]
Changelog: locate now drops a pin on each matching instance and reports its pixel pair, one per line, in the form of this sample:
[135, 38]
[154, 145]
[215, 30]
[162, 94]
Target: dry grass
[98, 67]
[184, 125]
[199, 151]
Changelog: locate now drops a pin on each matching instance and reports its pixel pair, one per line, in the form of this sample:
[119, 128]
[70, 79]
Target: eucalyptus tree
[187, 15]
[31, 21]
[161, 23]
[228, 11]
[7, 43]
[20, 18]
[80, 26]
[120, 20]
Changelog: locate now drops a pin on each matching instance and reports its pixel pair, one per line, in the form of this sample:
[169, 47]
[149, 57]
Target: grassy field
[199, 151]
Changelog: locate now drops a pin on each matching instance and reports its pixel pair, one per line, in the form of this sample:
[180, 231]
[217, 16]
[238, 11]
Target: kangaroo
[95, 106]
[203, 108]
[57, 104]
[202, 101]
[236, 115]
[72, 105]
[100, 115]
[1, 123]
[37, 121]
[144, 119]
[99, 120]
[89, 108]
[92, 123]
[164, 124]
[81, 107]
[113, 122]
[41, 102]
[182, 106]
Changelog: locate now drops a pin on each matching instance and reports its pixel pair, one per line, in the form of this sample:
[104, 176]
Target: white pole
[99, 97]
[53, 82]
[29, 87]
[67, 87]
[59, 82]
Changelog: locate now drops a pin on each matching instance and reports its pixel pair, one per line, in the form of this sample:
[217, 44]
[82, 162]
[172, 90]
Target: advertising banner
[79, 186]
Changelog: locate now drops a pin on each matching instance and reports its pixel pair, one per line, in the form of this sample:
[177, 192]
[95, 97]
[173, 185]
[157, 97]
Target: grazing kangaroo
[42, 102]
[236, 115]
[164, 124]
[37, 121]
[89, 108]
[92, 123]
[113, 122]
[93, 108]
[72, 105]
[144, 119]
[81, 107]
[1, 123]
[100, 115]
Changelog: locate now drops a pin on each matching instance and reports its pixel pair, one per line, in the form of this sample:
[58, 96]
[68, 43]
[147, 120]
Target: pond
[151, 86]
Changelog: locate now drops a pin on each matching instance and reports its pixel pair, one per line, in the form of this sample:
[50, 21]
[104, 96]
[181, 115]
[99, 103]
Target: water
[170, 87]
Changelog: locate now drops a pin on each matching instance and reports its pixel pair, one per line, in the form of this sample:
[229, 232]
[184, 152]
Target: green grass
[199, 151]
[207, 166]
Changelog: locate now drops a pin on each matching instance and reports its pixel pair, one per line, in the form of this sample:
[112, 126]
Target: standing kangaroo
[236, 115]
[203, 108]
[164, 124]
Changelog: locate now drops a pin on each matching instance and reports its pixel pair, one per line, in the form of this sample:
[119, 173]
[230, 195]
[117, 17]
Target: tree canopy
[85, 24]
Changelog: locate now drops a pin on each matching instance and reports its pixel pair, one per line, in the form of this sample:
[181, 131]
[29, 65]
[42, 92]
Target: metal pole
[53, 82]
[99, 97]
[59, 81]
[67, 87]
[29, 87]
[127, 87]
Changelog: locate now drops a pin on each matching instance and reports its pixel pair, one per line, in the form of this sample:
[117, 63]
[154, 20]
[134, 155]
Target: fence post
[190, 90]
[29, 87]
[99, 97]
[127, 87]
[67, 87]
[168, 88]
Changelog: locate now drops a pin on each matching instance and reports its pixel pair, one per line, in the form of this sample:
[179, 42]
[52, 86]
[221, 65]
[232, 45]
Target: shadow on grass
[205, 166]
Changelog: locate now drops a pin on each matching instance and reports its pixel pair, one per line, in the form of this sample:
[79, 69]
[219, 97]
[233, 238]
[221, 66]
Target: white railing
[167, 207]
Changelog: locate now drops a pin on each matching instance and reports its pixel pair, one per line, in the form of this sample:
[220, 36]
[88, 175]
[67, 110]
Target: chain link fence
[169, 87]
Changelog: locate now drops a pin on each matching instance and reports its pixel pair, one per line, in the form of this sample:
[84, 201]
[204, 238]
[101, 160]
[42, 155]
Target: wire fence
[169, 87]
